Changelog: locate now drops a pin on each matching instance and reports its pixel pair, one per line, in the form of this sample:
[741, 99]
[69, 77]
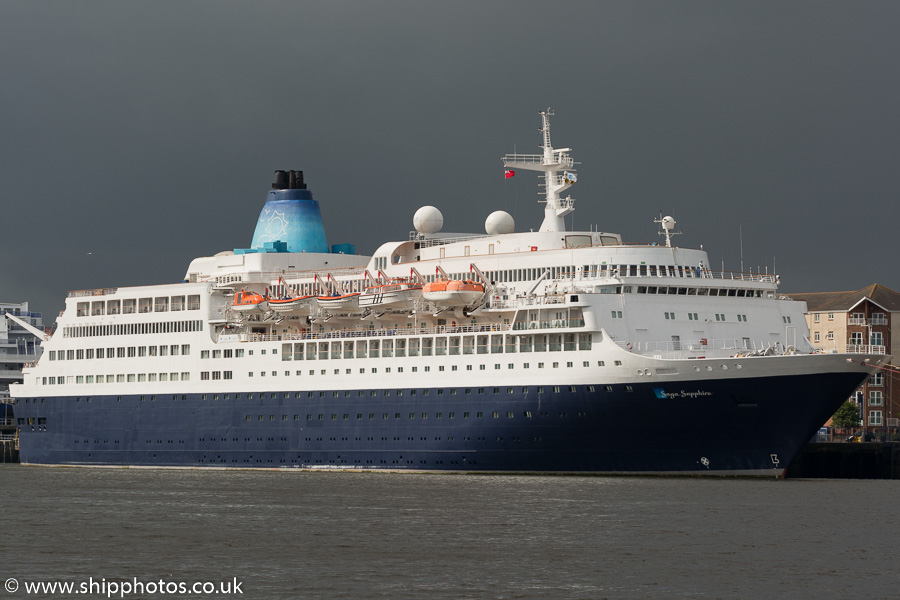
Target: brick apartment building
[867, 320]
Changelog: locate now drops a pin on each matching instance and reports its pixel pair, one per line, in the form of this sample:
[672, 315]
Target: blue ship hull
[749, 426]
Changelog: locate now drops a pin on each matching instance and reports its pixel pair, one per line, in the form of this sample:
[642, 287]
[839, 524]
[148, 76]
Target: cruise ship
[513, 350]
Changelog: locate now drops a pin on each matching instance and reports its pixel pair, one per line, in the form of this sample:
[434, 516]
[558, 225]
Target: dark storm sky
[137, 136]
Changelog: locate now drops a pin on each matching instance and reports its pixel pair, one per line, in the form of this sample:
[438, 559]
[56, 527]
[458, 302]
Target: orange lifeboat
[453, 292]
[247, 302]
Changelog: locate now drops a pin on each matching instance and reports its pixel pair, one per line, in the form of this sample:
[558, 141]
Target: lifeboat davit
[397, 293]
[248, 302]
[452, 292]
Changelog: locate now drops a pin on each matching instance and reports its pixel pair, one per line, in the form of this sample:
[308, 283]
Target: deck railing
[698, 346]
[862, 349]
[548, 324]
[98, 292]
[340, 334]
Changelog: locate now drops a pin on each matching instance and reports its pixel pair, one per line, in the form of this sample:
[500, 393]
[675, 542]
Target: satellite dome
[668, 223]
[499, 222]
[428, 219]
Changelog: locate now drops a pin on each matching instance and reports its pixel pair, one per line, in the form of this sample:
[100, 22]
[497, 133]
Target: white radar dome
[668, 223]
[499, 222]
[428, 219]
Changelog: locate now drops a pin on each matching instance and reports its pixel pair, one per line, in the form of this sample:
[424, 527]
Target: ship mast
[550, 163]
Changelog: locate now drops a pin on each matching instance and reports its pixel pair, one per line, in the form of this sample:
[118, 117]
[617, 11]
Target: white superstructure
[560, 310]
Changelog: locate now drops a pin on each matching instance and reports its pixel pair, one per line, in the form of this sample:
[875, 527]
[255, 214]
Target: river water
[278, 535]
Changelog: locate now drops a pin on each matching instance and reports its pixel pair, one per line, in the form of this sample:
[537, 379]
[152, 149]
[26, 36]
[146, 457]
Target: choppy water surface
[357, 536]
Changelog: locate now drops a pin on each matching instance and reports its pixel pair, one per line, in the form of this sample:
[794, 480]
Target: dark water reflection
[356, 536]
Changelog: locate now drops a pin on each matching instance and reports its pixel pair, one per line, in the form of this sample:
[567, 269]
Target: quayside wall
[870, 460]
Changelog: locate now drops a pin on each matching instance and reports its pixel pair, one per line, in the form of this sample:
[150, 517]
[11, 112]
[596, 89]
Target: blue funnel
[291, 217]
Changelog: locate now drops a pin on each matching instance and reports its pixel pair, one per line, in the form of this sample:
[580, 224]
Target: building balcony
[864, 349]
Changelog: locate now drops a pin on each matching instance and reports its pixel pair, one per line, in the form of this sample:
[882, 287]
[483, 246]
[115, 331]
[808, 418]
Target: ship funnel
[290, 220]
[288, 180]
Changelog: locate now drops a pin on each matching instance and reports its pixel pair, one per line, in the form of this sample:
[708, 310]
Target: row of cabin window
[595, 271]
[440, 368]
[118, 378]
[120, 352]
[359, 416]
[441, 346]
[80, 331]
[215, 375]
[413, 392]
[228, 353]
[691, 291]
[347, 394]
[670, 316]
[129, 306]
[359, 393]
[219, 375]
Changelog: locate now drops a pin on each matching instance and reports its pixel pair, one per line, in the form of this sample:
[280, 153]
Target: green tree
[847, 416]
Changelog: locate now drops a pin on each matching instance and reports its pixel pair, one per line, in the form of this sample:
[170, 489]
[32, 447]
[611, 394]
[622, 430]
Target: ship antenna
[550, 163]
[667, 224]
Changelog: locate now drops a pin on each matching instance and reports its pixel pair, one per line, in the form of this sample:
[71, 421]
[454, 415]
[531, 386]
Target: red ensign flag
[510, 173]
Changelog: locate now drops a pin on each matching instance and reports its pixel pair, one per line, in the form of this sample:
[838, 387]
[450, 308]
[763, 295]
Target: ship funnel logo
[276, 226]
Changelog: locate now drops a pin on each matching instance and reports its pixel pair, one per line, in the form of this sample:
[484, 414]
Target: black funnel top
[288, 180]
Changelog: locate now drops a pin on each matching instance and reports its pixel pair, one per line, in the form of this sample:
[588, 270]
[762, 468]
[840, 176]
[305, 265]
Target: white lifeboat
[343, 303]
[453, 292]
[396, 293]
[300, 305]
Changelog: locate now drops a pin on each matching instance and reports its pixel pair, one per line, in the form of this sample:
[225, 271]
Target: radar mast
[556, 165]
[668, 224]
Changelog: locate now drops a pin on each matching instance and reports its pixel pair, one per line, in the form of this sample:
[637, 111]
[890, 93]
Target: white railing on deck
[852, 349]
[339, 334]
[697, 346]
[563, 160]
[863, 349]
[98, 292]
[528, 301]
[429, 242]
[689, 273]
